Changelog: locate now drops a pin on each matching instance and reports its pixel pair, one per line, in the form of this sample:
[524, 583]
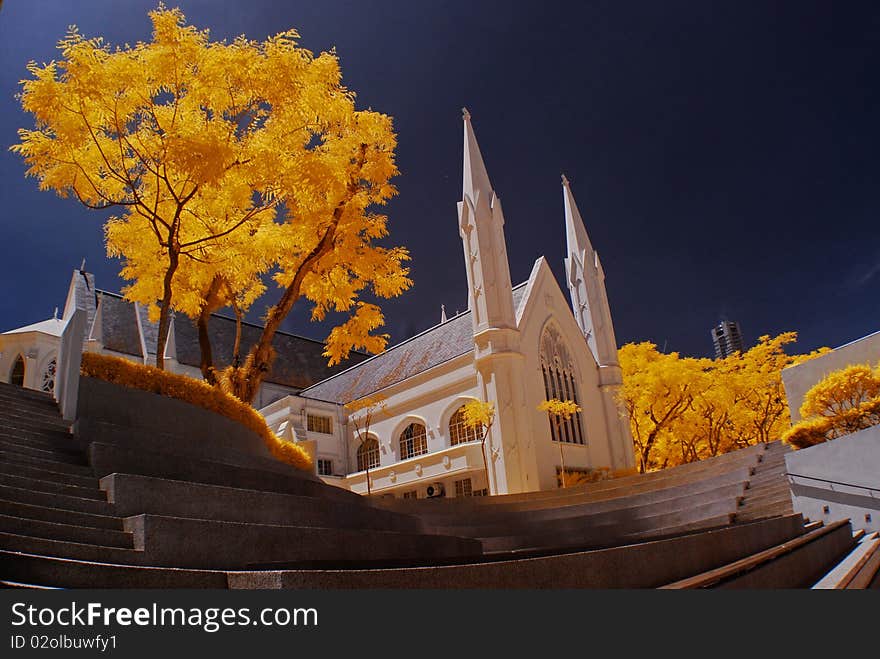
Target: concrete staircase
[105, 508]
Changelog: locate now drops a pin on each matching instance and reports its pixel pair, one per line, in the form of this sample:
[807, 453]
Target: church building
[514, 347]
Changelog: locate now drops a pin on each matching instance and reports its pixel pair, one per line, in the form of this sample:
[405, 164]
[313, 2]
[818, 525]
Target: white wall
[36, 348]
[546, 305]
[842, 475]
[798, 380]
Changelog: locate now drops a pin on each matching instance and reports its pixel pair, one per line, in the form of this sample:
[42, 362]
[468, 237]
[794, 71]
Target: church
[514, 347]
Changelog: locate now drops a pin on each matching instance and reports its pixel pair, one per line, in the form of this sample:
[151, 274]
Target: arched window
[559, 382]
[413, 441]
[459, 433]
[16, 377]
[368, 454]
[48, 382]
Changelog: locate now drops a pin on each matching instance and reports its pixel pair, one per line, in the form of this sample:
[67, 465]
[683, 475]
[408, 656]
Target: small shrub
[844, 402]
[197, 392]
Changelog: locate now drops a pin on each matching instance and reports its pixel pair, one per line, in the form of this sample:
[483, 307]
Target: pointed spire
[476, 182]
[575, 233]
[82, 266]
[55, 315]
[586, 284]
[442, 313]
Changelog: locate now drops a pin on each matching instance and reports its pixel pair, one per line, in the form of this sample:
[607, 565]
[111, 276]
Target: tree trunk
[247, 381]
[206, 363]
[165, 309]
[561, 460]
[212, 301]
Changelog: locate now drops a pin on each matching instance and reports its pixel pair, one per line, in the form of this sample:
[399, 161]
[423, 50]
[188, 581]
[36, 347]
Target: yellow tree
[192, 141]
[479, 416]
[843, 402]
[559, 412]
[362, 414]
[762, 411]
[656, 393]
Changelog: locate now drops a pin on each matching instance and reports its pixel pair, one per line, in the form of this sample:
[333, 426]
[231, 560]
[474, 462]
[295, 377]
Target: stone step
[579, 506]
[644, 565]
[794, 564]
[23, 418]
[14, 392]
[133, 495]
[71, 573]
[55, 455]
[67, 549]
[210, 544]
[857, 569]
[59, 442]
[65, 532]
[553, 521]
[52, 487]
[61, 437]
[15, 457]
[59, 516]
[33, 412]
[754, 512]
[768, 488]
[53, 500]
[611, 529]
[594, 491]
[768, 478]
[110, 458]
[26, 586]
[31, 471]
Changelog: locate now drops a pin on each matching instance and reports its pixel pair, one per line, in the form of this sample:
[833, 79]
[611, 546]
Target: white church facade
[515, 346]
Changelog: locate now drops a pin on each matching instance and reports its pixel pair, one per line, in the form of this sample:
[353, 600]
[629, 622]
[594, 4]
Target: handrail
[828, 480]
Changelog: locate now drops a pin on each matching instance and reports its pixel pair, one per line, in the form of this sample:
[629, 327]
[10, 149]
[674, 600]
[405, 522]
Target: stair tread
[50, 514]
[65, 532]
[13, 457]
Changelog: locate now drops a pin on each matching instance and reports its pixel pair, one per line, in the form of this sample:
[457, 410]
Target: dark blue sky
[724, 155]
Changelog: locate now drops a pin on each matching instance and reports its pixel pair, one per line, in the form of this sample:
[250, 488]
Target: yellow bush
[844, 402]
[148, 378]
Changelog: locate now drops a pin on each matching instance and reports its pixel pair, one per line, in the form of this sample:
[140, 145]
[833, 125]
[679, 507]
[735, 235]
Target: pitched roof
[431, 348]
[299, 361]
[52, 327]
[119, 331]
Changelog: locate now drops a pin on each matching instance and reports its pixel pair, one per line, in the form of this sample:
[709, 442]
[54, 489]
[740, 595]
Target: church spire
[481, 225]
[476, 179]
[586, 284]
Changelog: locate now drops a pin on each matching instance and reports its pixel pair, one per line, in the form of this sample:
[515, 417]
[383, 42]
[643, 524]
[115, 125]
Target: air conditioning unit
[435, 490]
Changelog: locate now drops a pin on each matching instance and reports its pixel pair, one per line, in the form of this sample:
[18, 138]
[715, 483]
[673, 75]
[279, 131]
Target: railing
[828, 480]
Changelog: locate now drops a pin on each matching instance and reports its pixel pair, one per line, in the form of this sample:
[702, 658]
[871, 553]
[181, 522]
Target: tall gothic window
[459, 432]
[368, 454]
[559, 382]
[48, 383]
[413, 441]
[16, 377]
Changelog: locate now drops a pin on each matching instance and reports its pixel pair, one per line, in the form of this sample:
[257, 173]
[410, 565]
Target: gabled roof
[431, 348]
[299, 361]
[52, 327]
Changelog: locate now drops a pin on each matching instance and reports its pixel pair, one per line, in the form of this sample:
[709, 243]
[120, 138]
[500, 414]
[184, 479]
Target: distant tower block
[727, 338]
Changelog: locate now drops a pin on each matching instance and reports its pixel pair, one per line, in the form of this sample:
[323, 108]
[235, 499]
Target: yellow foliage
[199, 145]
[147, 378]
[684, 409]
[479, 416]
[561, 409]
[843, 402]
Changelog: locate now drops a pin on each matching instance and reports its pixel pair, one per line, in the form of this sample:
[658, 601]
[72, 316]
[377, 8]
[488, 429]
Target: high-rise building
[727, 338]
